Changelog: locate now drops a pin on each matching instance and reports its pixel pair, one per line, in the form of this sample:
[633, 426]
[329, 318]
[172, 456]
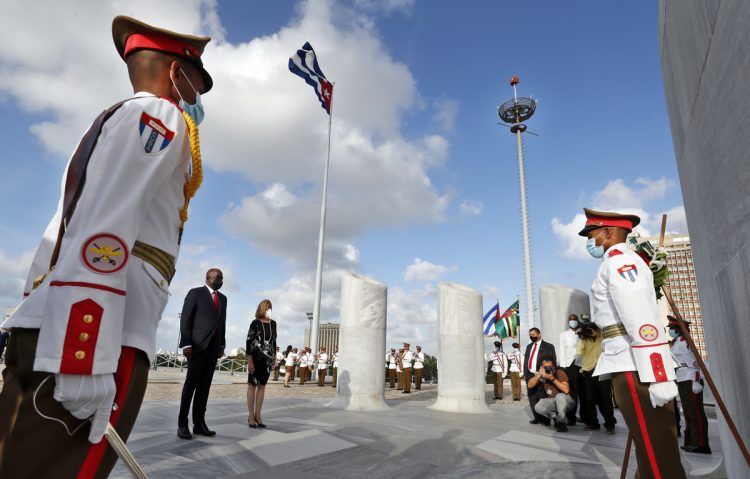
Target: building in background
[683, 285]
[328, 336]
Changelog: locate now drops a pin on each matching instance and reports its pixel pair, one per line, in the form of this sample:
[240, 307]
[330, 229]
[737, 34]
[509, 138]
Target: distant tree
[430, 372]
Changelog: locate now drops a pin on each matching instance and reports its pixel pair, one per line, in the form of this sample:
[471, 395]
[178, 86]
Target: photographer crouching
[556, 401]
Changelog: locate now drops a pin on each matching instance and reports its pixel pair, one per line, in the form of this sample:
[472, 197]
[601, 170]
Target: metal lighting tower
[515, 112]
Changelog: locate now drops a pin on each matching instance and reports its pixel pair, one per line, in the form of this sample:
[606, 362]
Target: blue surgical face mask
[573, 324]
[593, 249]
[195, 110]
[673, 333]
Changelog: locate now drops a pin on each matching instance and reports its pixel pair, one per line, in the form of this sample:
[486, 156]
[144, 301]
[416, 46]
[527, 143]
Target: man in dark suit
[202, 339]
[531, 364]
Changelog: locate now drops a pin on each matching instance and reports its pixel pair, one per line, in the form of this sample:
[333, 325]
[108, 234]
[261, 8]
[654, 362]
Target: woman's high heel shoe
[260, 424]
[252, 424]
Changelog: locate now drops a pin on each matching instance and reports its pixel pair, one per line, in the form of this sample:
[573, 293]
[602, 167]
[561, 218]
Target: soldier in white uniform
[82, 339]
[690, 387]
[499, 368]
[322, 366]
[289, 367]
[406, 360]
[515, 361]
[335, 366]
[277, 363]
[302, 366]
[418, 368]
[391, 360]
[635, 348]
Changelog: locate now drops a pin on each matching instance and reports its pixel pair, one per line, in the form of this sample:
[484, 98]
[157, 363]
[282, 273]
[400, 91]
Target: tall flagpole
[516, 111]
[319, 272]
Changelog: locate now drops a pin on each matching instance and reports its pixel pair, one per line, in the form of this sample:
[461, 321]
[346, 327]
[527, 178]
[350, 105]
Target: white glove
[85, 395]
[662, 393]
[697, 387]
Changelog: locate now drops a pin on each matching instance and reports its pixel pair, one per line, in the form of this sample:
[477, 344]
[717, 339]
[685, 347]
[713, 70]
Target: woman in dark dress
[260, 348]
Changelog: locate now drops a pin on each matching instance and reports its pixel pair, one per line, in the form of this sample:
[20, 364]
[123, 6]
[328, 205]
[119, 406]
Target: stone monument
[460, 351]
[556, 303]
[704, 59]
[361, 381]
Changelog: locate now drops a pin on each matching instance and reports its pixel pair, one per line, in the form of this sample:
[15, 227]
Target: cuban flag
[154, 134]
[492, 316]
[305, 64]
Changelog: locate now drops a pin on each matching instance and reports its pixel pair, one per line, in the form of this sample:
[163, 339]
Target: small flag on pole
[305, 64]
[507, 325]
[490, 319]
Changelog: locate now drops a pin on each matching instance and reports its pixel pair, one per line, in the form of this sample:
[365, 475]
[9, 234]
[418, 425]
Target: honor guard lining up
[635, 348]
[406, 359]
[391, 359]
[418, 368]
[335, 367]
[82, 340]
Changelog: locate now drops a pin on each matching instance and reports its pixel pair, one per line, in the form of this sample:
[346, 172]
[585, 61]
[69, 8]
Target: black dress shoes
[184, 433]
[696, 449]
[203, 430]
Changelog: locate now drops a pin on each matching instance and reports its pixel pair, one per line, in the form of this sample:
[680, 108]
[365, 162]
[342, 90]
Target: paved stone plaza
[306, 439]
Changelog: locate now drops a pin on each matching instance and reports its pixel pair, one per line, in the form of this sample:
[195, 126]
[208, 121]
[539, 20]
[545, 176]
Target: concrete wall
[705, 63]
[556, 302]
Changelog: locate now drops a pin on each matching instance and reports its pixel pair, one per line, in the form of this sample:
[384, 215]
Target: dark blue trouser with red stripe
[696, 422]
[32, 446]
[653, 429]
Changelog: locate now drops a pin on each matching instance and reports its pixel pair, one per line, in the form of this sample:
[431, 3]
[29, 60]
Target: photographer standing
[567, 360]
[597, 392]
[555, 402]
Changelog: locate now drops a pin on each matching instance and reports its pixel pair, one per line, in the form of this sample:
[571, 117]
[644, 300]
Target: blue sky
[423, 184]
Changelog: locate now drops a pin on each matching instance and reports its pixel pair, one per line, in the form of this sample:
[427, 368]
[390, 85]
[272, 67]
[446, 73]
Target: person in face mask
[99, 279]
[203, 340]
[690, 387]
[566, 360]
[635, 349]
[535, 350]
[515, 361]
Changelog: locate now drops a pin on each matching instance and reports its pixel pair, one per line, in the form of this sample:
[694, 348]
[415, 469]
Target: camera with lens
[548, 369]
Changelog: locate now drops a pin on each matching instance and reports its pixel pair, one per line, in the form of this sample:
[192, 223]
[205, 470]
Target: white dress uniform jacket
[100, 297]
[323, 361]
[568, 346]
[279, 357]
[419, 360]
[408, 358]
[291, 359]
[391, 359]
[336, 359]
[623, 294]
[515, 360]
[687, 366]
[499, 362]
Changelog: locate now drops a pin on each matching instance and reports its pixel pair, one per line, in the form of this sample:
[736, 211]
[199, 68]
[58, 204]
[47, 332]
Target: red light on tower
[515, 80]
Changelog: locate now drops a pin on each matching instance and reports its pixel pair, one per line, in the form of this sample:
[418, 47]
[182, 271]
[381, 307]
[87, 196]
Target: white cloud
[412, 318]
[421, 270]
[263, 124]
[13, 271]
[471, 208]
[622, 198]
[446, 111]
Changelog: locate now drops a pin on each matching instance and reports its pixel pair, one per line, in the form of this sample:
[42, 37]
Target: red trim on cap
[73, 344]
[153, 41]
[600, 221]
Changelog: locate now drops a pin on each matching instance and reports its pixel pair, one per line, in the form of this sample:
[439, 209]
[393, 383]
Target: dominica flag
[507, 325]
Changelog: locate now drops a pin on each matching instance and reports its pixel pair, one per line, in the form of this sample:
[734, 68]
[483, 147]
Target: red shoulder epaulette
[614, 252]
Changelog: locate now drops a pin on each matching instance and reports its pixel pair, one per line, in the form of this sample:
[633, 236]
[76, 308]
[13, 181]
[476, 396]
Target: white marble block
[460, 351]
[361, 378]
[556, 303]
